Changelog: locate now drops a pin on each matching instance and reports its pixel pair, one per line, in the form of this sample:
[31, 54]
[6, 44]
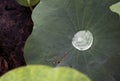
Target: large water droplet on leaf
[83, 40]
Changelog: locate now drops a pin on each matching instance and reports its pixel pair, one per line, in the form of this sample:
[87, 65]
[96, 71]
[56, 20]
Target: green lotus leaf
[116, 8]
[44, 73]
[26, 2]
[83, 34]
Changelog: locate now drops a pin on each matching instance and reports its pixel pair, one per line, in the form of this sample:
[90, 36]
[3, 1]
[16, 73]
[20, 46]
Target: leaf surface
[55, 24]
[26, 2]
[116, 8]
[44, 73]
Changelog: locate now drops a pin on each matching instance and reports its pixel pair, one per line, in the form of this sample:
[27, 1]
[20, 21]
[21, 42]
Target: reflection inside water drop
[82, 40]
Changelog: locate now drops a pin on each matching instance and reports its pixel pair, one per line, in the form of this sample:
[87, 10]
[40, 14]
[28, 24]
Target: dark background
[15, 27]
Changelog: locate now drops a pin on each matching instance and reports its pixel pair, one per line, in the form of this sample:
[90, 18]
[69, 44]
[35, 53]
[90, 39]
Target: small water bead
[82, 40]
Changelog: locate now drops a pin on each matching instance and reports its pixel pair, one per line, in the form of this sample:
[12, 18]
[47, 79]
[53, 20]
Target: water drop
[82, 40]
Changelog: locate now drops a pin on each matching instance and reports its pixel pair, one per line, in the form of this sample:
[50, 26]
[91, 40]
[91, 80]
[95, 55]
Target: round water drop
[82, 40]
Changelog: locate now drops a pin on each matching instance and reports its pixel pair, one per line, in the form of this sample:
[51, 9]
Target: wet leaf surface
[55, 24]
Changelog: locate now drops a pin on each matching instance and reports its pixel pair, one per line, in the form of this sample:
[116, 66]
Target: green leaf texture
[44, 73]
[116, 8]
[26, 3]
[56, 22]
